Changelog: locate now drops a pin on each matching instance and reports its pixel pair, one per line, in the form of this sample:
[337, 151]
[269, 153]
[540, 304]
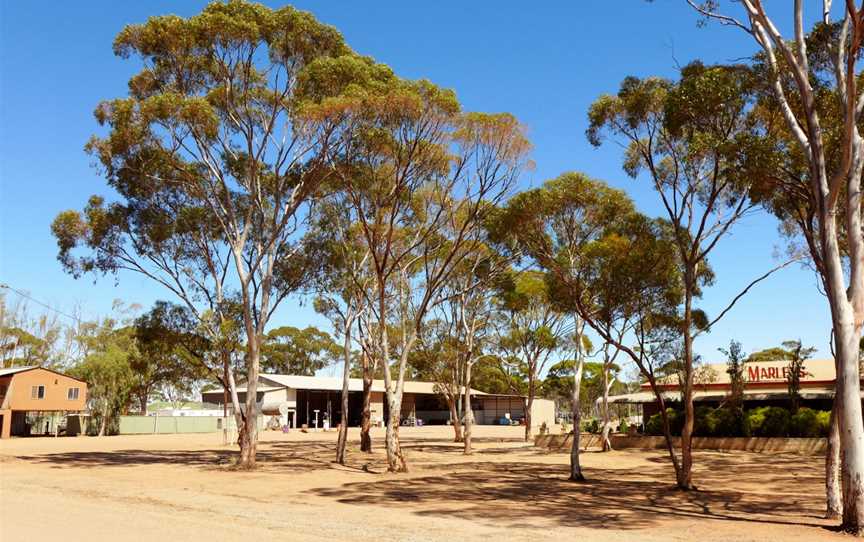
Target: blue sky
[544, 66]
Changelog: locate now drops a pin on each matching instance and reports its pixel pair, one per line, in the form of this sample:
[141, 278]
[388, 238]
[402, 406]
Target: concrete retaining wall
[802, 446]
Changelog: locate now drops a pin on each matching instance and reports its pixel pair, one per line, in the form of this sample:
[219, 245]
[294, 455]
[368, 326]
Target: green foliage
[770, 354]
[799, 354]
[27, 340]
[719, 422]
[735, 369]
[203, 157]
[623, 427]
[810, 423]
[769, 421]
[108, 372]
[654, 426]
[558, 384]
[490, 376]
[171, 356]
[290, 350]
[759, 422]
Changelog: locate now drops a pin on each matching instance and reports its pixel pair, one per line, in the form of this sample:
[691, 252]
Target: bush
[623, 427]
[704, 422]
[809, 423]
[758, 422]
[769, 421]
[728, 422]
[655, 423]
[823, 417]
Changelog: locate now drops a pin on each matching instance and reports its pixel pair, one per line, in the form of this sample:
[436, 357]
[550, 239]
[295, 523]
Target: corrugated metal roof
[329, 383]
[13, 370]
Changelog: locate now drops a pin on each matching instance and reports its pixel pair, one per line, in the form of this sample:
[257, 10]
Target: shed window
[72, 395]
[37, 392]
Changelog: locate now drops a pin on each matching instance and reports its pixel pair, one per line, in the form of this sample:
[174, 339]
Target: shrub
[758, 422]
[769, 421]
[809, 423]
[728, 422]
[823, 417]
[655, 423]
[704, 422]
[623, 427]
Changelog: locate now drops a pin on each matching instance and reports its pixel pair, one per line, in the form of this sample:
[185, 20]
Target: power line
[5, 286]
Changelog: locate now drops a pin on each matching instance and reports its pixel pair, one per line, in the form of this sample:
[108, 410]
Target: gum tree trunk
[606, 445]
[248, 438]
[469, 413]
[366, 416]
[833, 494]
[575, 467]
[685, 474]
[142, 403]
[342, 440]
[395, 459]
[528, 404]
[454, 416]
[851, 429]
[846, 314]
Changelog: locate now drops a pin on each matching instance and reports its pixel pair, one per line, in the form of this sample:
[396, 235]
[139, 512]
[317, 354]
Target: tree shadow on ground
[529, 486]
[518, 494]
[293, 456]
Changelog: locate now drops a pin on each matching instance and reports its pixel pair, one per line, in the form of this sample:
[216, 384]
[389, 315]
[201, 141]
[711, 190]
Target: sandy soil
[182, 488]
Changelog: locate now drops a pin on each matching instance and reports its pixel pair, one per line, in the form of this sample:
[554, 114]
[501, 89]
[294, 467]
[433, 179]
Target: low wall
[802, 446]
[134, 425]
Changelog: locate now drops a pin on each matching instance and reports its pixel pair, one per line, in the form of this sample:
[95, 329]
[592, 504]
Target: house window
[72, 395]
[37, 392]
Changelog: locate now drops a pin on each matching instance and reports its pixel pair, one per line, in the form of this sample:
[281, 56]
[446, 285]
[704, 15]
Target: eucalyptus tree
[686, 136]
[735, 361]
[291, 350]
[341, 295]
[810, 177]
[170, 352]
[421, 176]
[26, 339]
[224, 139]
[107, 369]
[609, 266]
[436, 358]
[459, 336]
[529, 329]
[472, 306]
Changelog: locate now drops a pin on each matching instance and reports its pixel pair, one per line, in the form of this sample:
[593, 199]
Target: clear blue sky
[543, 65]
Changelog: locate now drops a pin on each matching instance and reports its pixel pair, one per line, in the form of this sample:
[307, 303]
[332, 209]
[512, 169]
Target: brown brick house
[36, 390]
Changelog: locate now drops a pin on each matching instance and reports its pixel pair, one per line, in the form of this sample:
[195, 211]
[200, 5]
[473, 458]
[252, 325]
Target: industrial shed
[305, 400]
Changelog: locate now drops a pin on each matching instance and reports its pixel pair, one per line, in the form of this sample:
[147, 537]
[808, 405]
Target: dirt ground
[182, 488]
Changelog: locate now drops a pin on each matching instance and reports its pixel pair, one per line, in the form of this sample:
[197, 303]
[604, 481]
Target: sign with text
[762, 373]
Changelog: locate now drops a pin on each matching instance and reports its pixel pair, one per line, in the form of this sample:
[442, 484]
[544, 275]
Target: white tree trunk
[469, 412]
[851, 426]
[575, 467]
[833, 494]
